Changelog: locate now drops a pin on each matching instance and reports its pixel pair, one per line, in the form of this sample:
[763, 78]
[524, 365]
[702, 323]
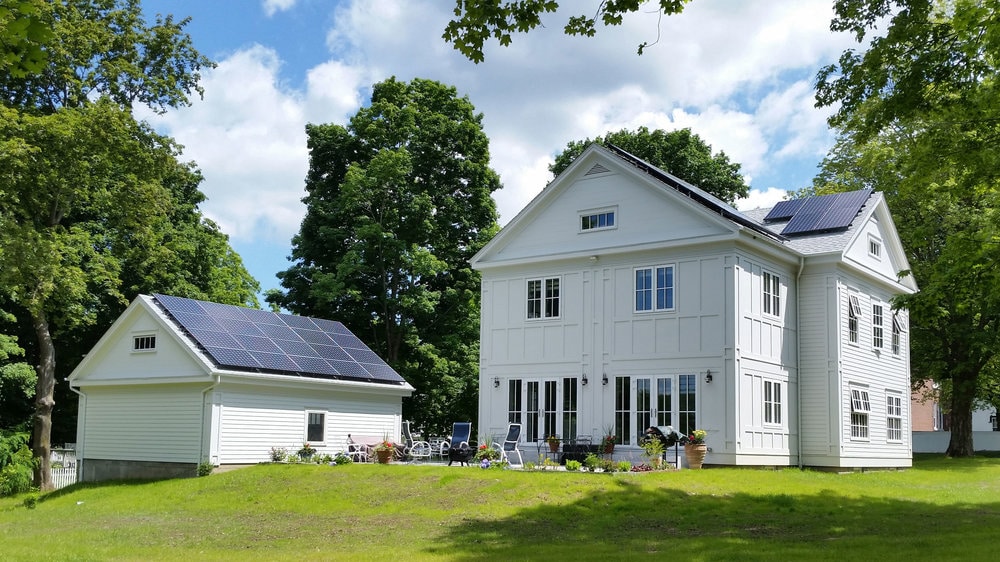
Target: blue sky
[740, 74]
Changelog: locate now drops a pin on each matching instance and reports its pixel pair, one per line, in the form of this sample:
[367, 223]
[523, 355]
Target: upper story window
[772, 294]
[543, 298]
[874, 247]
[654, 288]
[597, 220]
[853, 314]
[897, 331]
[145, 342]
[877, 333]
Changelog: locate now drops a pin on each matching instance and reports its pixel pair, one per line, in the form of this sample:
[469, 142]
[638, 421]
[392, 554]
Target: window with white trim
[897, 334]
[597, 220]
[315, 427]
[772, 402]
[772, 293]
[877, 334]
[144, 343]
[874, 247]
[894, 417]
[860, 409]
[853, 314]
[514, 401]
[543, 298]
[654, 288]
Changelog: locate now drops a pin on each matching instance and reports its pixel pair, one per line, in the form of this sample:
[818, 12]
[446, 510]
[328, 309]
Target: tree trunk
[963, 394]
[44, 402]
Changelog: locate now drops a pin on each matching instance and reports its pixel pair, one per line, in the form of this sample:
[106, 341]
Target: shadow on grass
[628, 520]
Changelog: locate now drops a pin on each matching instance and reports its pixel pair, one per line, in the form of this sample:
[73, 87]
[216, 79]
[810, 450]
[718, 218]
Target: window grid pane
[622, 410]
[686, 404]
[643, 289]
[569, 407]
[315, 427]
[877, 326]
[514, 401]
[665, 288]
[552, 298]
[535, 298]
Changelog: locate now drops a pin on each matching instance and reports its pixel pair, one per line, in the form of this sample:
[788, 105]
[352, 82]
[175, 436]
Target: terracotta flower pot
[695, 454]
[554, 446]
[384, 456]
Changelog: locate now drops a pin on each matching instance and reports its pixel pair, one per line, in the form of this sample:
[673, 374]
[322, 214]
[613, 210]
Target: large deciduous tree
[95, 206]
[477, 21]
[397, 202]
[919, 117]
[680, 152]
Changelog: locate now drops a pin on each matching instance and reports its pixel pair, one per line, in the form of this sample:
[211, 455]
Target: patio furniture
[509, 451]
[439, 446]
[414, 450]
[459, 448]
[359, 452]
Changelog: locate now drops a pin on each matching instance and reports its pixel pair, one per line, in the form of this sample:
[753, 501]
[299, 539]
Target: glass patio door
[663, 400]
[550, 408]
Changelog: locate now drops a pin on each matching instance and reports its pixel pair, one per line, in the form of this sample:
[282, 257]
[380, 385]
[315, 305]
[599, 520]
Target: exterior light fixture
[604, 379]
[496, 382]
[584, 381]
[708, 375]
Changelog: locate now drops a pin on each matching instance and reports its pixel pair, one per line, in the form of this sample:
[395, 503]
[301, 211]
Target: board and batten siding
[252, 421]
[160, 423]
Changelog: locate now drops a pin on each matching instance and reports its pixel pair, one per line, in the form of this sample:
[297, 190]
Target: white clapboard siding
[143, 423]
[253, 421]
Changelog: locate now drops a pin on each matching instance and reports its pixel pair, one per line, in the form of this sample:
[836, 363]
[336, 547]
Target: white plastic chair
[414, 449]
[509, 451]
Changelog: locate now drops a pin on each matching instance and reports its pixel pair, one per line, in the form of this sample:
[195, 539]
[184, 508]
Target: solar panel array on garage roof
[824, 213]
[259, 340]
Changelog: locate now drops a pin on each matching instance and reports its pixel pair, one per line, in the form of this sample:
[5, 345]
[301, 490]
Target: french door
[550, 407]
[655, 400]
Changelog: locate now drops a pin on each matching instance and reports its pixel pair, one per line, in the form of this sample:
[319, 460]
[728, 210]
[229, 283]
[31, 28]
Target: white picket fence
[62, 477]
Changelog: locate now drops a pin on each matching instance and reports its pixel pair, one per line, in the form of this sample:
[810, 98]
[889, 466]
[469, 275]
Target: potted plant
[553, 441]
[384, 451]
[608, 440]
[306, 452]
[695, 448]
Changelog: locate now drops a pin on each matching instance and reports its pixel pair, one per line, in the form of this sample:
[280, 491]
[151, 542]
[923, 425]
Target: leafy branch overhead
[478, 21]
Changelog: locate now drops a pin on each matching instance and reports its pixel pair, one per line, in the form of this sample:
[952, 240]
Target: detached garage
[176, 382]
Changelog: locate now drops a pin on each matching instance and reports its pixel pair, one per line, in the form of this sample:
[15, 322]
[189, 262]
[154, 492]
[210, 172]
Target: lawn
[940, 509]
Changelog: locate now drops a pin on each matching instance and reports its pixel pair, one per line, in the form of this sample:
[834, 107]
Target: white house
[176, 382]
[624, 297]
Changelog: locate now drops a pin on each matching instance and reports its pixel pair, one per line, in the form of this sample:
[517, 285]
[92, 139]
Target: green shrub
[573, 465]
[16, 464]
[592, 462]
[278, 454]
[624, 466]
[205, 468]
[343, 458]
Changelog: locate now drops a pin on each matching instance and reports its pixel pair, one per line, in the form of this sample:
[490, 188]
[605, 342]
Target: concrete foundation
[97, 470]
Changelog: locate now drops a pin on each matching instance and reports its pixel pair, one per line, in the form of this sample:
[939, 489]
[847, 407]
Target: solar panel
[784, 210]
[821, 213]
[232, 357]
[842, 211]
[259, 340]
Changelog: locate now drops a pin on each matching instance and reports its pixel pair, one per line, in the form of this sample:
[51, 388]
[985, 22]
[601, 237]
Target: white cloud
[759, 199]
[735, 72]
[272, 7]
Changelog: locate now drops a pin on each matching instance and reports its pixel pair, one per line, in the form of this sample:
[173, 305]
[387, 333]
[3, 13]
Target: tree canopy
[477, 21]
[23, 34]
[680, 152]
[397, 202]
[919, 120]
[95, 206]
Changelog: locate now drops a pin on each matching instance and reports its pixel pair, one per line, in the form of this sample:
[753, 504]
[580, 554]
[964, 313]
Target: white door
[550, 408]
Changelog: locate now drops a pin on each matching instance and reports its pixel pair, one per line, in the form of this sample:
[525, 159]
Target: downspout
[798, 362]
[206, 438]
[81, 425]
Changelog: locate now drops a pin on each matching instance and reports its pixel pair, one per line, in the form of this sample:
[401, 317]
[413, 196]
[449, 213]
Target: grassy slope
[941, 508]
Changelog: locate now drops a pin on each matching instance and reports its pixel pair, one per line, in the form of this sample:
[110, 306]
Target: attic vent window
[144, 343]
[602, 219]
[874, 248]
[597, 169]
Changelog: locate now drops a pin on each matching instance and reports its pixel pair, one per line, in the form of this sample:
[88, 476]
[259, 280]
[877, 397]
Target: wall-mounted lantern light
[708, 375]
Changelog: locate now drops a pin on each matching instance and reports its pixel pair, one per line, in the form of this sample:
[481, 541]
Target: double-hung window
[772, 294]
[877, 333]
[543, 298]
[654, 288]
[897, 331]
[860, 409]
[772, 402]
[315, 427]
[894, 417]
[853, 314]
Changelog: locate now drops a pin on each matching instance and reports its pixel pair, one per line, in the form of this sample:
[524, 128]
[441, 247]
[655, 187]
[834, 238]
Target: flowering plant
[697, 437]
[385, 445]
[608, 440]
[307, 450]
[486, 453]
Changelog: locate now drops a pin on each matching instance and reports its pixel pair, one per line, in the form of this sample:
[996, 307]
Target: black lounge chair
[460, 449]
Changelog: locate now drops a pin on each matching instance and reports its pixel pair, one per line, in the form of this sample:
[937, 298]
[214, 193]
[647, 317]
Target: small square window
[874, 248]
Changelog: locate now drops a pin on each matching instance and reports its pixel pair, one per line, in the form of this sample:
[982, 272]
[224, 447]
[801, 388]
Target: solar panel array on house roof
[819, 213]
[260, 340]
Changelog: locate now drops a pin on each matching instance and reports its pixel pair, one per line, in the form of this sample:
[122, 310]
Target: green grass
[940, 509]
